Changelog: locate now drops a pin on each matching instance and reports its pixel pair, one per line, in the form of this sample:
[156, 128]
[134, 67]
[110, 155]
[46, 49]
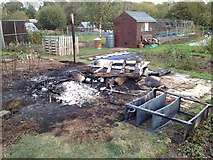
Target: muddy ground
[30, 115]
[94, 120]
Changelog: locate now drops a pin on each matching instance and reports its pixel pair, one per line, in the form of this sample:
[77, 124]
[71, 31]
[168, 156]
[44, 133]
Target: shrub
[209, 47]
[193, 151]
[52, 17]
[36, 36]
[198, 144]
[180, 59]
[17, 47]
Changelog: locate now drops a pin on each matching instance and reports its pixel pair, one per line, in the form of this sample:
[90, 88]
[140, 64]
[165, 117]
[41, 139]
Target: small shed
[131, 27]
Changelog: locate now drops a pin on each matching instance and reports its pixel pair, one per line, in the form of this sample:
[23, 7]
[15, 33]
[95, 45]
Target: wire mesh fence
[167, 27]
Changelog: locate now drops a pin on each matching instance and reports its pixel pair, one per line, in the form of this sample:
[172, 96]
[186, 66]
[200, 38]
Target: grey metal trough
[153, 107]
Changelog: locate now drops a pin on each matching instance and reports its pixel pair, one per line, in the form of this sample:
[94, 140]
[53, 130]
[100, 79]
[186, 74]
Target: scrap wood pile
[119, 64]
[118, 67]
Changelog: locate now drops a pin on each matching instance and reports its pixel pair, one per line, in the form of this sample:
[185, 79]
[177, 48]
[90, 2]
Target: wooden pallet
[123, 68]
[59, 45]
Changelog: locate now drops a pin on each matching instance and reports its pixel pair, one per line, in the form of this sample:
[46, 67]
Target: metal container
[110, 41]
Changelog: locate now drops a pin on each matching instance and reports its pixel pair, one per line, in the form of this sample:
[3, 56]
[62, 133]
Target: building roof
[33, 20]
[87, 25]
[30, 27]
[140, 16]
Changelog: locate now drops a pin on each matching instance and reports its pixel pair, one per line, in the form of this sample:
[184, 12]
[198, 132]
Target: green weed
[199, 142]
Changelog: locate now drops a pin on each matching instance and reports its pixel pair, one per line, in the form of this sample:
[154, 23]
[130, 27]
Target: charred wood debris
[114, 73]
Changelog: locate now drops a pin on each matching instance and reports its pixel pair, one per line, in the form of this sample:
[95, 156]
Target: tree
[52, 17]
[162, 10]
[72, 8]
[199, 12]
[30, 11]
[18, 15]
[147, 7]
[13, 11]
[12, 7]
[179, 11]
[101, 12]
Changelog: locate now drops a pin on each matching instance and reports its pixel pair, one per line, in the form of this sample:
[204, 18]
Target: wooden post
[73, 37]
[67, 30]
[2, 35]
[14, 24]
[77, 46]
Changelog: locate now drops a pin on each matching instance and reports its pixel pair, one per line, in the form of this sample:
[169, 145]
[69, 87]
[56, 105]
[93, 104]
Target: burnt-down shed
[131, 27]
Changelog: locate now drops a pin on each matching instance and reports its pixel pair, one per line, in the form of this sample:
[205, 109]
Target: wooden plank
[71, 44]
[58, 49]
[109, 68]
[131, 75]
[120, 92]
[98, 70]
[77, 45]
[120, 80]
[5, 35]
[123, 67]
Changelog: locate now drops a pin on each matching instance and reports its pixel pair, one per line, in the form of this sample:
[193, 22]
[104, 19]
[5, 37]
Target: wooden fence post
[14, 25]
[73, 37]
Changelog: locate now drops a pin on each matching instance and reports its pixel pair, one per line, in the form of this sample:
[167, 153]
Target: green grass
[197, 54]
[92, 51]
[8, 53]
[36, 46]
[82, 52]
[177, 56]
[128, 142]
[89, 38]
[12, 53]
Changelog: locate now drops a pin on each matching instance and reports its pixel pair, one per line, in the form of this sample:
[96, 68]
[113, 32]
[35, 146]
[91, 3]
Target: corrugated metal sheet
[140, 16]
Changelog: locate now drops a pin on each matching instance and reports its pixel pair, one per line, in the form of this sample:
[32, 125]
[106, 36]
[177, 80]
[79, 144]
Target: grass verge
[128, 142]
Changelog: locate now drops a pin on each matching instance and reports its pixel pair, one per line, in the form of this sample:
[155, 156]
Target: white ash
[41, 78]
[76, 93]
